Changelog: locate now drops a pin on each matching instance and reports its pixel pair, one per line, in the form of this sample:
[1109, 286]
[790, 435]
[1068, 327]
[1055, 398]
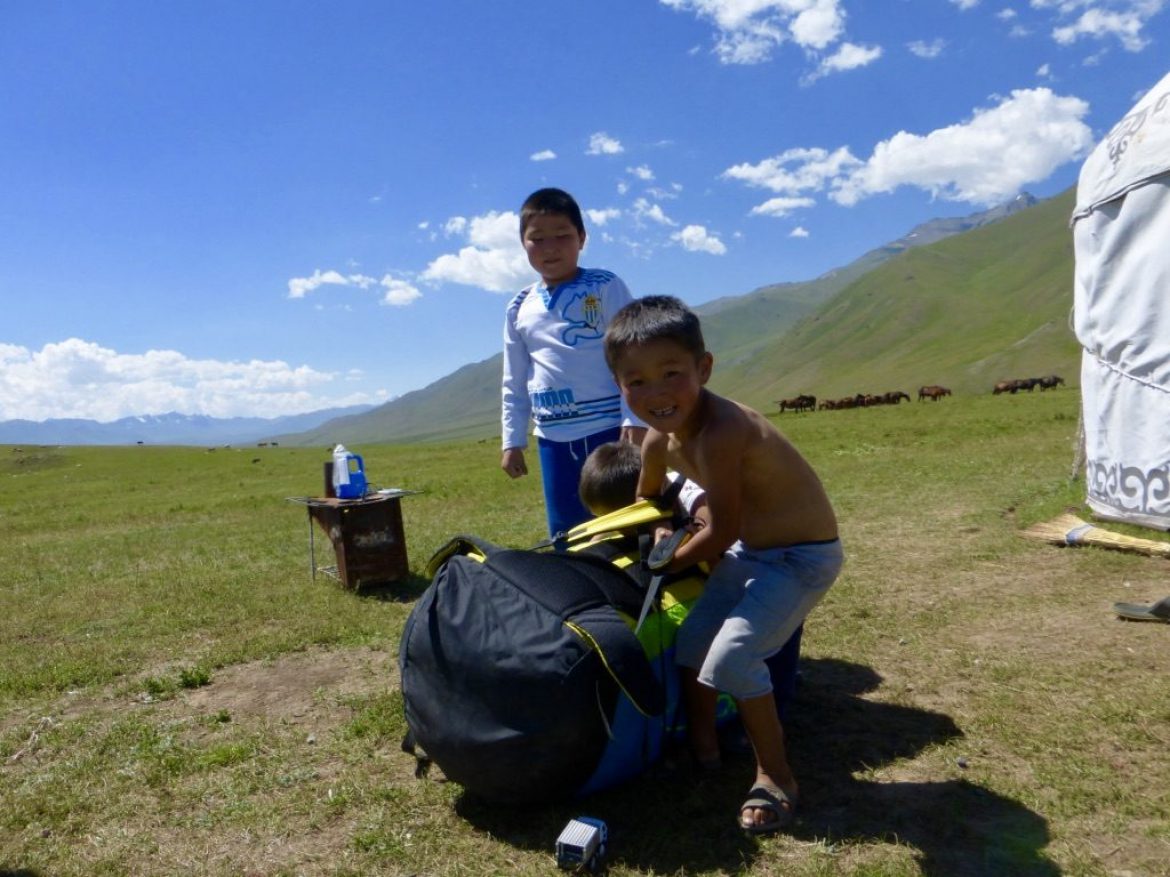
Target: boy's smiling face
[662, 382]
[553, 245]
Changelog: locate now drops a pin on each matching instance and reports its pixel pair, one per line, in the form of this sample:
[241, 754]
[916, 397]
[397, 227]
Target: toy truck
[581, 844]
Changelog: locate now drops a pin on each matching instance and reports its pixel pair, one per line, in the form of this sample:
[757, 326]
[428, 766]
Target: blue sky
[263, 208]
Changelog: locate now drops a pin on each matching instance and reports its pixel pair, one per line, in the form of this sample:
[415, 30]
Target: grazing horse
[1050, 382]
[894, 397]
[803, 402]
[932, 392]
[1015, 386]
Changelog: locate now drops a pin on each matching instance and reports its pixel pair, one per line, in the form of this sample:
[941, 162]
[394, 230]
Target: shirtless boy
[770, 526]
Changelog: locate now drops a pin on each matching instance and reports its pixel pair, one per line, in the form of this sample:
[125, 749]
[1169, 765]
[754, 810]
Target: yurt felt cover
[1121, 240]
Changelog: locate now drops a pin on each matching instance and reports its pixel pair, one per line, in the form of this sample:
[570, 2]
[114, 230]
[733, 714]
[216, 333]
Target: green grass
[178, 695]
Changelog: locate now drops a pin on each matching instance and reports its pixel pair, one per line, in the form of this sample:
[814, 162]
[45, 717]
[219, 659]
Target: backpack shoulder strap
[629, 518]
[472, 546]
[583, 592]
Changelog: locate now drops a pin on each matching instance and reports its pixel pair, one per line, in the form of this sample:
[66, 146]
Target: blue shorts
[753, 602]
[560, 471]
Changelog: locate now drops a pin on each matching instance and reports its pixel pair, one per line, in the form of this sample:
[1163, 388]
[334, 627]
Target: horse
[1050, 382]
[894, 397]
[933, 392]
[803, 402]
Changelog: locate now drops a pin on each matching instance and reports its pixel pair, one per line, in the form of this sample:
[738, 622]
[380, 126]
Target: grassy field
[179, 696]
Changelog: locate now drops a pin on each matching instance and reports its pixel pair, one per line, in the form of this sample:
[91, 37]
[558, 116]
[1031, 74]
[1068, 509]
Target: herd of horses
[1048, 382]
[806, 402]
[933, 392]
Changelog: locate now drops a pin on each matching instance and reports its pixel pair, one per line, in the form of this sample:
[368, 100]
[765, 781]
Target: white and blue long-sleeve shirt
[554, 360]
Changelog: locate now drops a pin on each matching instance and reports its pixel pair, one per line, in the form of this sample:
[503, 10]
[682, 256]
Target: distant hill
[842, 333]
[165, 429]
[987, 304]
[465, 403]
[736, 328]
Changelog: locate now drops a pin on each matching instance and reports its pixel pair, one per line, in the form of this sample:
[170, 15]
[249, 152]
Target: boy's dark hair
[609, 477]
[557, 202]
[653, 318]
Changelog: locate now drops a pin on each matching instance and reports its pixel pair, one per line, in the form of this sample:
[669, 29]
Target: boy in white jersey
[554, 364]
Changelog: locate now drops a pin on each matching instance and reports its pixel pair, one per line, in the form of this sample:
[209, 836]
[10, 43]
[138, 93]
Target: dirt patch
[302, 688]
[310, 689]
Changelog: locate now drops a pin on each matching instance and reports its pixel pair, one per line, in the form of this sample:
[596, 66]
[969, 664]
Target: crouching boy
[770, 526]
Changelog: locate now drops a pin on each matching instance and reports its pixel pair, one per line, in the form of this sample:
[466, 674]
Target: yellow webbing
[592, 643]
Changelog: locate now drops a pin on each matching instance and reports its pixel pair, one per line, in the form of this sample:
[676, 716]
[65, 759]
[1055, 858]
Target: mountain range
[962, 302]
[166, 429]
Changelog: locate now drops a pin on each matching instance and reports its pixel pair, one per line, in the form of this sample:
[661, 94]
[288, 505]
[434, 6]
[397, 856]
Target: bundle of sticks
[1071, 530]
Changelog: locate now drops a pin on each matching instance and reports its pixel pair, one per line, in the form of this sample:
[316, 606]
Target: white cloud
[781, 206]
[849, 56]
[748, 31]
[1044, 71]
[495, 230]
[982, 161]
[662, 194]
[810, 171]
[602, 144]
[78, 378]
[398, 293]
[965, 4]
[1102, 19]
[798, 232]
[1126, 25]
[927, 50]
[1006, 14]
[543, 155]
[643, 209]
[299, 287]
[493, 259]
[642, 172]
[697, 239]
[601, 217]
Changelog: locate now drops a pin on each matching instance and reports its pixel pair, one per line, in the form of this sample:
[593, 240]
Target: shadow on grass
[956, 827]
[405, 590]
[673, 821]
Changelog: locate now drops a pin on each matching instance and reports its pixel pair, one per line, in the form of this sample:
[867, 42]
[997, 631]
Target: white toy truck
[582, 844]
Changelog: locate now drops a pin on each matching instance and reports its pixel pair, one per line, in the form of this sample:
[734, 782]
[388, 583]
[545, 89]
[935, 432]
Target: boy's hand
[633, 435]
[513, 463]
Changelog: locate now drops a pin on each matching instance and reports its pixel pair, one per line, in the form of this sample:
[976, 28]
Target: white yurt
[1121, 240]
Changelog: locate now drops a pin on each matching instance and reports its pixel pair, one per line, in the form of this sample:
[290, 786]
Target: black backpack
[522, 677]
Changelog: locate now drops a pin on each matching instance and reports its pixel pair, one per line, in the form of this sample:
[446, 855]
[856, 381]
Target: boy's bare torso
[754, 477]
